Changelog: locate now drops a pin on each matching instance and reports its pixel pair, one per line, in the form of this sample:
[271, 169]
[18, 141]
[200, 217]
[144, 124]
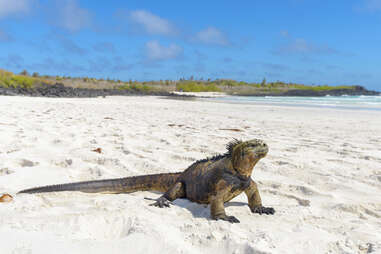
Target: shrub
[320, 88]
[192, 86]
[137, 87]
[24, 73]
[8, 79]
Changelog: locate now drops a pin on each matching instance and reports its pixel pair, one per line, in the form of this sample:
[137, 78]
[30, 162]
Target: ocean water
[339, 102]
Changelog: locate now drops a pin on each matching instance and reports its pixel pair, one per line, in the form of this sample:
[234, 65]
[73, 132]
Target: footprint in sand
[63, 163]
[357, 210]
[304, 190]
[292, 149]
[6, 171]
[97, 172]
[281, 163]
[302, 202]
[182, 158]
[28, 163]
[284, 190]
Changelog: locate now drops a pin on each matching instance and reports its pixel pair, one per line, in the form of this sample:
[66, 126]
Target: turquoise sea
[339, 102]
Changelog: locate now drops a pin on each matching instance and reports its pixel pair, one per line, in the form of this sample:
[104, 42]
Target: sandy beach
[322, 175]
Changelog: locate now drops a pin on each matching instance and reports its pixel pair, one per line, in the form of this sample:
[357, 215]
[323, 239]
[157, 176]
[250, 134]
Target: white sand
[202, 94]
[322, 175]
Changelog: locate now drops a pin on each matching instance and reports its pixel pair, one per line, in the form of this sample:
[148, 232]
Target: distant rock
[59, 90]
[356, 91]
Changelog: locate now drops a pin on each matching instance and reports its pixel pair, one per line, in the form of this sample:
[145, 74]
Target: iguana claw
[231, 219]
[162, 202]
[262, 209]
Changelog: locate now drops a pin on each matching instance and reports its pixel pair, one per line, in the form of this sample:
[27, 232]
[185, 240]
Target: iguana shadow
[201, 210]
[197, 210]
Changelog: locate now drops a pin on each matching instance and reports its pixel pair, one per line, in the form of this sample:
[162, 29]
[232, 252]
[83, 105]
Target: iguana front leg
[176, 191]
[254, 200]
[217, 211]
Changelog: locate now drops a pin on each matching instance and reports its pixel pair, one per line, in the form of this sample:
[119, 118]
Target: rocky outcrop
[59, 90]
[358, 90]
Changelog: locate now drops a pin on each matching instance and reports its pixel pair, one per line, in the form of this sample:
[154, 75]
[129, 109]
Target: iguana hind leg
[255, 202]
[176, 191]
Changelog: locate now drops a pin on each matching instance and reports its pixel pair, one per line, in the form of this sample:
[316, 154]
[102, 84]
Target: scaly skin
[213, 181]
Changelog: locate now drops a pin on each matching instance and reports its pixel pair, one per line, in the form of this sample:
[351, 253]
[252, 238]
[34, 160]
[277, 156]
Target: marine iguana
[213, 181]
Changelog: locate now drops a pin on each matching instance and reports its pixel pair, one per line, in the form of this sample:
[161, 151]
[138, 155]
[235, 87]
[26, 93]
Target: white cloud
[71, 47]
[301, 46]
[104, 47]
[11, 7]
[212, 36]
[13, 61]
[151, 23]
[4, 36]
[71, 16]
[284, 33]
[373, 5]
[155, 51]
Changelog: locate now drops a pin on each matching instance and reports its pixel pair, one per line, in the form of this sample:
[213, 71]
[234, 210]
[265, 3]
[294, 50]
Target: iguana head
[245, 154]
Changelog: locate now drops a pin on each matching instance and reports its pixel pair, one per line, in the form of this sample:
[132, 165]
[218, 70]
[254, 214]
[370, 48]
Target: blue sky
[331, 42]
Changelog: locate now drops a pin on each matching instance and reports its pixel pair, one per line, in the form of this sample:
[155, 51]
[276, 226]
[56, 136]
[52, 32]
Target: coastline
[334, 102]
[321, 175]
[65, 91]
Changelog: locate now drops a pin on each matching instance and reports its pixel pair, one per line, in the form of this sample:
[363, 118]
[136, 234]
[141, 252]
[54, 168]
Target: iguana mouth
[260, 153]
[259, 148]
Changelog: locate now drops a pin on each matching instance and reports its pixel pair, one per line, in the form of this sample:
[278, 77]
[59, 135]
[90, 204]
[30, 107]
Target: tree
[263, 82]
[24, 72]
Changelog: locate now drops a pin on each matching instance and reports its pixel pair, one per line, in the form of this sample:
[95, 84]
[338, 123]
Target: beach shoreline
[328, 102]
[322, 175]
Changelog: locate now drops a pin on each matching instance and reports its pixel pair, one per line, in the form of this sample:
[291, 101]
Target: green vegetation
[24, 80]
[137, 87]
[263, 82]
[320, 88]
[196, 86]
[8, 79]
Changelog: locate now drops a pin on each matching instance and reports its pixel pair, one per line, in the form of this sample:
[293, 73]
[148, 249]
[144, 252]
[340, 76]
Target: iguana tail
[157, 182]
